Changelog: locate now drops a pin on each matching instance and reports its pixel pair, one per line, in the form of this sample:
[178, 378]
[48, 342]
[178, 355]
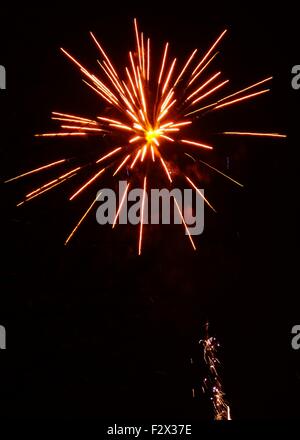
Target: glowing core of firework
[151, 135]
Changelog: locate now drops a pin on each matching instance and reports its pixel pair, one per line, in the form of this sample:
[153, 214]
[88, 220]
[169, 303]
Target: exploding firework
[212, 383]
[148, 109]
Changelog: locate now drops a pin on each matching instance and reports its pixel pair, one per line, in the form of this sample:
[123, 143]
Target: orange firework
[148, 109]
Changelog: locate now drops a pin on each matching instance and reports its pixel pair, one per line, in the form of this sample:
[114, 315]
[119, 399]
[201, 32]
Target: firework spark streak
[212, 383]
[148, 110]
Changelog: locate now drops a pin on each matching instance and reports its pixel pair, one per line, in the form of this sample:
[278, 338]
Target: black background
[93, 330]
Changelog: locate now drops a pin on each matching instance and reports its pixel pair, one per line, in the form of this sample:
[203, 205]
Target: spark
[169, 76]
[143, 55]
[163, 63]
[242, 98]
[167, 100]
[166, 169]
[86, 184]
[81, 128]
[152, 153]
[202, 70]
[148, 59]
[200, 193]
[134, 70]
[193, 159]
[209, 51]
[36, 170]
[185, 67]
[213, 105]
[38, 190]
[247, 88]
[77, 121]
[198, 144]
[121, 165]
[121, 205]
[78, 118]
[102, 51]
[110, 101]
[185, 225]
[211, 91]
[138, 41]
[220, 172]
[135, 159]
[203, 85]
[45, 190]
[80, 221]
[180, 124]
[109, 120]
[167, 137]
[244, 133]
[144, 152]
[108, 154]
[134, 139]
[60, 134]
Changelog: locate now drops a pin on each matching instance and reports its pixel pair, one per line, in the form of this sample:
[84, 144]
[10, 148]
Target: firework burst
[148, 109]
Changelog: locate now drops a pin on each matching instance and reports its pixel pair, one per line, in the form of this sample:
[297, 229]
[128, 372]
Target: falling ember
[212, 383]
[148, 110]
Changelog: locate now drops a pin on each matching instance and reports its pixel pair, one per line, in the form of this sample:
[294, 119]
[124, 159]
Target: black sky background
[95, 331]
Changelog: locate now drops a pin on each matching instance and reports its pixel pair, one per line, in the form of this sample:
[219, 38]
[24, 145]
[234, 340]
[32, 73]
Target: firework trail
[212, 383]
[148, 109]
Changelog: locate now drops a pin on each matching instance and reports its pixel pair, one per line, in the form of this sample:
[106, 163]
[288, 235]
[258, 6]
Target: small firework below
[148, 109]
[212, 383]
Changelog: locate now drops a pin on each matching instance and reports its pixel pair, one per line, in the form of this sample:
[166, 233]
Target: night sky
[93, 330]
